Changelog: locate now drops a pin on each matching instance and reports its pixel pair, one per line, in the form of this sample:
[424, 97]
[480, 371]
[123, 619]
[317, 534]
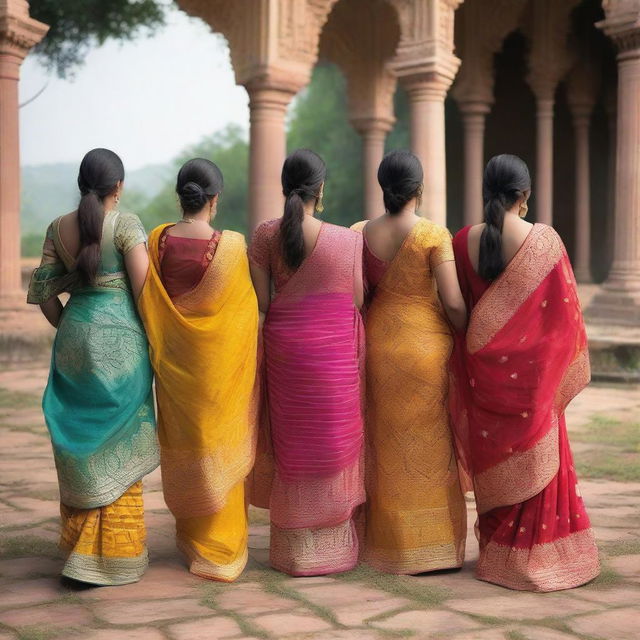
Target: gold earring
[319, 203]
[524, 208]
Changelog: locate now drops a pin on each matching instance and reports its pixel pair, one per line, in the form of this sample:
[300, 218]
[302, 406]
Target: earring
[117, 199]
[319, 203]
[524, 208]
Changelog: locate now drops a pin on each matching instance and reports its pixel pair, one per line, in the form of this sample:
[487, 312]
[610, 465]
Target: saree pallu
[524, 358]
[99, 410]
[314, 345]
[415, 512]
[203, 349]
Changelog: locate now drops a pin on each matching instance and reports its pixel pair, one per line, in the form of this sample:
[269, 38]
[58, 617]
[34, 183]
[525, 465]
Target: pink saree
[313, 347]
[524, 358]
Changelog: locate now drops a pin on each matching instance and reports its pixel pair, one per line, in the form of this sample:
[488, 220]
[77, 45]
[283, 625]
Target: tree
[77, 25]
[229, 150]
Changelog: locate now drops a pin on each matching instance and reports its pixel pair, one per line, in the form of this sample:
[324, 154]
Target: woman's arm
[262, 285]
[52, 310]
[137, 265]
[450, 294]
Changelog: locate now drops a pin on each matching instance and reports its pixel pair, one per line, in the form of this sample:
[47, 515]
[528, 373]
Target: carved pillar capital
[622, 25]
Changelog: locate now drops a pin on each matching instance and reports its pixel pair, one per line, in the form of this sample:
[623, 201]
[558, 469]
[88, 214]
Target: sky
[147, 99]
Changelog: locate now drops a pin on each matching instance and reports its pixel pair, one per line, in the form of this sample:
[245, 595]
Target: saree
[98, 406]
[313, 346]
[203, 351]
[523, 359]
[415, 511]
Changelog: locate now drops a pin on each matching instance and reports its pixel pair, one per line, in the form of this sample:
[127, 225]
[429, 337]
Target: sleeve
[442, 250]
[259, 250]
[51, 278]
[129, 233]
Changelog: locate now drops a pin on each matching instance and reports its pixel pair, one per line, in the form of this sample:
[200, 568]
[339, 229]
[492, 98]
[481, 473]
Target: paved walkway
[171, 604]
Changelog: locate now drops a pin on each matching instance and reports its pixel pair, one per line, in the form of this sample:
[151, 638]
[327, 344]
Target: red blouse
[183, 261]
[374, 267]
[471, 284]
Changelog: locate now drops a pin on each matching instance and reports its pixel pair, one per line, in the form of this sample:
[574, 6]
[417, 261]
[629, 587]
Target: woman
[201, 316]
[98, 403]
[312, 338]
[415, 515]
[524, 358]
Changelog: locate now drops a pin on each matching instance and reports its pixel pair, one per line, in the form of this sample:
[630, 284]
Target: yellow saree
[415, 514]
[203, 351]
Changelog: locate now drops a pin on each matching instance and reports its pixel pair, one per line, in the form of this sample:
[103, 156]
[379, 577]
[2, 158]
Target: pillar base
[615, 308]
[13, 301]
[583, 275]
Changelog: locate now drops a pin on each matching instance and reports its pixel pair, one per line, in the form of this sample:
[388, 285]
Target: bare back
[514, 233]
[386, 234]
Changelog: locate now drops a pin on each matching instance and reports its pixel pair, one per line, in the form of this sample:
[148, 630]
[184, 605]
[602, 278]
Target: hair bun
[192, 197]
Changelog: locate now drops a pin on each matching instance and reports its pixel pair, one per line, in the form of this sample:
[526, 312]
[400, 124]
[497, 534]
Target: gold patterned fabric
[106, 545]
[415, 514]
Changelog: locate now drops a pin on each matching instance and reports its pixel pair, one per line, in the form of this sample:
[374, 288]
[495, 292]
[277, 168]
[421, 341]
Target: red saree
[524, 358]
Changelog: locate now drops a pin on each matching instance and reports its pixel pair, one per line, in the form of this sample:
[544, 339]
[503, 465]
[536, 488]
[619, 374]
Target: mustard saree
[203, 348]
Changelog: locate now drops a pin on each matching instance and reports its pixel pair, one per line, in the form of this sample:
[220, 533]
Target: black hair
[100, 172]
[506, 179]
[303, 173]
[199, 180]
[400, 177]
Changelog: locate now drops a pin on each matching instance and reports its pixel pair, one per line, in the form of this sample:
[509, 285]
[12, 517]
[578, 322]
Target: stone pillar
[582, 88]
[426, 66]
[473, 120]
[618, 303]
[18, 34]
[426, 108]
[374, 133]
[267, 151]
[581, 115]
[544, 160]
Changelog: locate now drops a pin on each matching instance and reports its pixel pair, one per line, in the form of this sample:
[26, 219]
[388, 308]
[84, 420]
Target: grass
[36, 633]
[624, 548]
[608, 577]
[516, 635]
[410, 587]
[618, 457]
[26, 546]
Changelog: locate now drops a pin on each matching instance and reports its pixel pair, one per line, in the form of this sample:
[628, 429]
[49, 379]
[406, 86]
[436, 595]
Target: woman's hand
[451, 296]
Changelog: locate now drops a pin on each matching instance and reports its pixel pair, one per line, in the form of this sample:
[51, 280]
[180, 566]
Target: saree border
[204, 568]
[522, 276]
[433, 557]
[564, 563]
[521, 476]
[105, 571]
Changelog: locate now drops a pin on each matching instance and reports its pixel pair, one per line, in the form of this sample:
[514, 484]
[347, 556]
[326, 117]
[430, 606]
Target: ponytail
[303, 174]
[292, 238]
[506, 178]
[90, 217]
[100, 172]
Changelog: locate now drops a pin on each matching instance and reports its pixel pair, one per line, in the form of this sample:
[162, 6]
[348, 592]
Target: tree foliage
[77, 25]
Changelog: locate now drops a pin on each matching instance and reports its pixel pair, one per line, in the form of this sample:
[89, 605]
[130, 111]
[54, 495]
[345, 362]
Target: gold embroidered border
[413, 561]
[575, 379]
[562, 564]
[204, 568]
[515, 284]
[305, 552]
[103, 571]
[521, 476]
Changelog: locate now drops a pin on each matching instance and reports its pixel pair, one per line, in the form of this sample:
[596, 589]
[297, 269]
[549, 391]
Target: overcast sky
[146, 100]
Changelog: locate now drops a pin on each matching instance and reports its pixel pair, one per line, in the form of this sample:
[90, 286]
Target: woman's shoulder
[359, 226]
[431, 233]
[235, 237]
[266, 230]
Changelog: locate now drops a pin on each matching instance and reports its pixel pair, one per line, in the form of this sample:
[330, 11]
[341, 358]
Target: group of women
[355, 382]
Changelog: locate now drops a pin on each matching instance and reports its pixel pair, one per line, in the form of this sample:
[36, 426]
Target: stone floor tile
[484, 634]
[30, 592]
[143, 633]
[31, 566]
[8, 635]
[340, 594]
[431, 621]
[541, 633]
[205, 629]
[159, 581]
[347, 634]
[251, 599]
[523, 606]
[145, 611]
[354, 614]
[154, 500]
[307, 582]
[627, 566]
[284, 624]
[616, 624]
[618, 597]
[54, 616]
